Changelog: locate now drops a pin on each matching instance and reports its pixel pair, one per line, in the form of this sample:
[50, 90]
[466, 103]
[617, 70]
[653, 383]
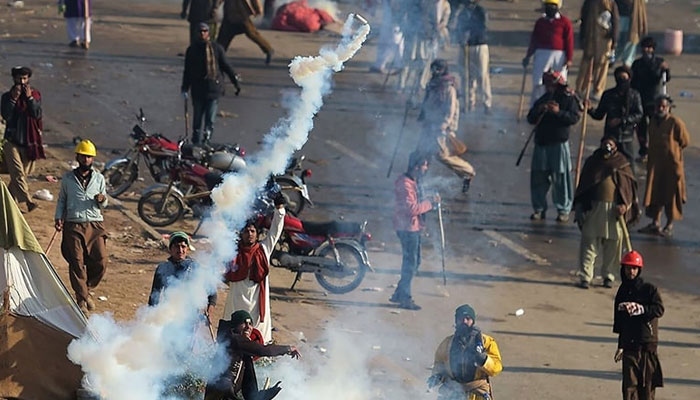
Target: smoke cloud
[136, 360]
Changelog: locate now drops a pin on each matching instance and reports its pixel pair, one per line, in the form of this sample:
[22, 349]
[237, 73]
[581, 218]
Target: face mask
[608, 150]
[648, 56]
[84, 168]
[622, 83]
[551, 11]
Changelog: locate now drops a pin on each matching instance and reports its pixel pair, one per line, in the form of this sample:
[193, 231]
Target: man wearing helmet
[551, 45]
[440, 117]
[465, 360]
[553, 114]
[21, 109]
[79, 215]
[638, 307]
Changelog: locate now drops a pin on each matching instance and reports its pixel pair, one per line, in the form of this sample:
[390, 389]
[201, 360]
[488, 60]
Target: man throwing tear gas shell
[465, 360]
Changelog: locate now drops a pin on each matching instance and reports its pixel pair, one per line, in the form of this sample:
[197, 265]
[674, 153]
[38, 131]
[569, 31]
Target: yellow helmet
[86, 148]
[554, 2]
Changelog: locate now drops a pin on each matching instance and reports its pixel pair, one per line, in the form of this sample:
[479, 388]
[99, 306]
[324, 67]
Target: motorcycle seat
[332, 228]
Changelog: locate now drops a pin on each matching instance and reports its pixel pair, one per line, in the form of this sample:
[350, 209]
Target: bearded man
[605, 198]
[81, 199]
[465, 360]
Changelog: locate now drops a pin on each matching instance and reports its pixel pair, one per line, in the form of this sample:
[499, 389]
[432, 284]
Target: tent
[38, 316]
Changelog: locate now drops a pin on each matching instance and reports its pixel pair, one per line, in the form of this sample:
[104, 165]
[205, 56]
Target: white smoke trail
[134, 360]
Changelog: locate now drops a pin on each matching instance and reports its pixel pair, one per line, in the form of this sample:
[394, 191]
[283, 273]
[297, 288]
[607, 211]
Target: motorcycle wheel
[292, 195]
[150, 207]
[119, 177]
[353, 272]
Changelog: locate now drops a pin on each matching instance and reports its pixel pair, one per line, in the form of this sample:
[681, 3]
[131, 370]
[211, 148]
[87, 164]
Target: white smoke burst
[136, 360]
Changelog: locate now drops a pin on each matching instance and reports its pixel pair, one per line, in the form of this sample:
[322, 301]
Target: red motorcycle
[333, 251]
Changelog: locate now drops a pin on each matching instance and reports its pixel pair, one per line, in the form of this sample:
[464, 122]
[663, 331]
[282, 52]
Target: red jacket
[553, 34]
[408, 208]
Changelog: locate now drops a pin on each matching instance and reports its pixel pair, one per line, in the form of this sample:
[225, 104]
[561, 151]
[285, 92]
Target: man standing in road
[666, 190]
[606, 198]
[409, 213]
[470, 28]
[205, 63]
[177, 267]
[440, 117]
[638, 307]
[465, 360]
[20, 107]
[196, 12]
[81, 199]
[551, 45]
[622, 108]
[649, 76]
[633, 27]
[78, 22]
[247, 275]
[553, 114]
[237, 14]
[599, 25]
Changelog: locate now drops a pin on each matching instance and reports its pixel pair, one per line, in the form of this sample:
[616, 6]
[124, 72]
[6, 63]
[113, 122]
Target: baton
[53, 239]
[442, 242]
[522, 95]
[398, 141]
[625, 233]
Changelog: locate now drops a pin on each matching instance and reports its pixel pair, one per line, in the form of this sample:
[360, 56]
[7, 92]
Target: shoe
[487, 110]
[537, 216]
[409, 305]
[268, 57]
[651, 229]
[83, 306]
[666, 232]
[31, 206]
[83, 45]
[74, 44]
[466, 183]
[563, 218]
[90, 304]
[583, 285]
[608, 283]
[395, 299]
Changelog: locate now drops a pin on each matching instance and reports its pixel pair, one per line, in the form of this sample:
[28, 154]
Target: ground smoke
[135, 360]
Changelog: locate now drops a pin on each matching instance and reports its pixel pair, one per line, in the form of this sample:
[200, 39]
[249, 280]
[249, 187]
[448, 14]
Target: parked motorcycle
[334, 251]
[293, 185]
[160, 155]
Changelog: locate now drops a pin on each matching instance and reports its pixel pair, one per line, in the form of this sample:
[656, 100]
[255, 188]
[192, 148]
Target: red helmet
[633, 259]
[552, 77]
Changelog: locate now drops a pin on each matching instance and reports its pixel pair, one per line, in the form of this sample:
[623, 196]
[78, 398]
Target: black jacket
[642, 331]
[554, 128]
[199, 10]
[195, 74]
[647, 77]
[470, 22]
[626, 106]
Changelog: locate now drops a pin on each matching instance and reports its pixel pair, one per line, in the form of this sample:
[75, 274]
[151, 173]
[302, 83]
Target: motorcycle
[293, 185]
[160, 155]
[334, 251]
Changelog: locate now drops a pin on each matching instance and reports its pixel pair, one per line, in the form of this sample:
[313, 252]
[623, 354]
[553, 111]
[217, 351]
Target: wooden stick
[522, 95]
[53, 239]
[579, 158]
[86, 9]
[626, 233]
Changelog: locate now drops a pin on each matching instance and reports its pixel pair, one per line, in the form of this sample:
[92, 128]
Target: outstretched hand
[294, 353]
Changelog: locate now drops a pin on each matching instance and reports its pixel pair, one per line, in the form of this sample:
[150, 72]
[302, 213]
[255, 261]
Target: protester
[638, 307]
[666, 188]
[205, 64]
[247, 276]
[553, 114]
[178, 266]
[633, 27]
[551, 46]
[470, 29]
[239, 380]
[440, 119]
[390, 44]
[20, 107]
[600, 22]
[465, 361]
[409, 211]
[622, 108]
[237, 14]
[78, 21]
[606, 198]
[198, 11]
[81, 199]
[649, 76]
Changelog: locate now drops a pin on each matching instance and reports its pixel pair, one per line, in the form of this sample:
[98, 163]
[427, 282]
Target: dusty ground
[561, 347]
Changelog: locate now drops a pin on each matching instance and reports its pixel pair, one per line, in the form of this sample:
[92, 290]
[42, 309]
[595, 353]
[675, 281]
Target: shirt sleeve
[273, 234]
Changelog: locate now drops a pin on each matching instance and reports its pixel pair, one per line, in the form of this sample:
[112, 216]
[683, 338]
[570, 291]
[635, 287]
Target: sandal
[667, 231]
[651, 228]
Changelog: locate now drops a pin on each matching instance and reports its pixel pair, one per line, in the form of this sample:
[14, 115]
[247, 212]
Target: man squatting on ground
[81, 199]
[638, 307]
[465, 360]
[606, 198]
[553, 114]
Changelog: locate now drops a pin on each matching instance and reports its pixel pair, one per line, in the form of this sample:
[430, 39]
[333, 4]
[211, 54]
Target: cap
[465, 310]
[177, 237]
[203, 26]
[21, 71]
[240, 317]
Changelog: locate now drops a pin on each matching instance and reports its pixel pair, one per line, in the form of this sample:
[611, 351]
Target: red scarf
[35, 146]
[251, 263]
